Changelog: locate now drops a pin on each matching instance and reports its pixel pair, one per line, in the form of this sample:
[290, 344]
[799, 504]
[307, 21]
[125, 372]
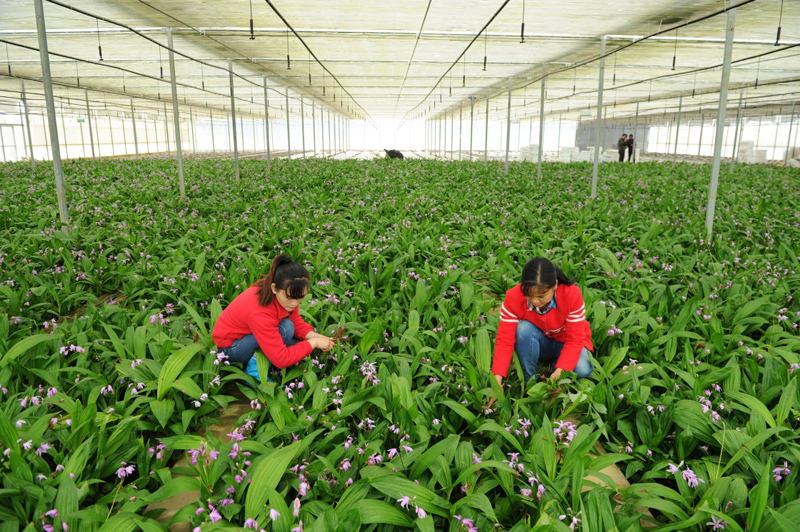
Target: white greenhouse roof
[407, 60]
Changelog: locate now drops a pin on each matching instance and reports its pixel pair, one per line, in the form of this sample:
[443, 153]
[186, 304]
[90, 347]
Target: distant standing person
[622, 145]
[630, 147]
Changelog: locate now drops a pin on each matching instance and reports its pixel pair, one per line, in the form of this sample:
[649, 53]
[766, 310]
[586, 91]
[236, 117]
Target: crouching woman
[266, 317]
[543, 319]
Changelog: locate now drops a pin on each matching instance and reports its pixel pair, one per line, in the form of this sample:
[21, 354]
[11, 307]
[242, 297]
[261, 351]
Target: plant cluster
[108, 371]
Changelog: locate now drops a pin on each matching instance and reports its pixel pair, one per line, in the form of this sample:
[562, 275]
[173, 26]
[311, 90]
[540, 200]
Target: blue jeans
[532, 346]
[242, 349]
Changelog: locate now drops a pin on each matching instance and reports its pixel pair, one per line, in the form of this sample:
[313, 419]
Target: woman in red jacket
[543, 319]
[266, 316]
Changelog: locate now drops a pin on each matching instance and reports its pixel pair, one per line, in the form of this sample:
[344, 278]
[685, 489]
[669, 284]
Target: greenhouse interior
[432, 265]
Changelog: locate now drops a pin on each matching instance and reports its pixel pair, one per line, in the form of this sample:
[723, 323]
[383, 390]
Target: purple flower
[672, 468]
[781, 472]
[214, 516]
[404, 501]
[125, 470]
[43, 448]
[251, 523]
[51, 513]
[463, 339]
[273, 514]
[692, 479]
[421, 513]
[717, 523]
[296, 507]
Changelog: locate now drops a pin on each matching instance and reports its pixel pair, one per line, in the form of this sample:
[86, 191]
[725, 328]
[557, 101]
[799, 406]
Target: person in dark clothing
[630, 147]
[622, 145]
[394, 154]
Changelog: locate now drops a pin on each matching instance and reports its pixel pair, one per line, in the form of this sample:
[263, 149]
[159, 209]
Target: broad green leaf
[755, 405]
[24, 345]
[162, 409]
[265, 476]
[374, 512]
[483, 351]
[478, 501]
[174, 366]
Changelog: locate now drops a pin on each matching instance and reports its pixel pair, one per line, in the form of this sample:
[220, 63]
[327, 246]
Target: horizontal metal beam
[281, 31]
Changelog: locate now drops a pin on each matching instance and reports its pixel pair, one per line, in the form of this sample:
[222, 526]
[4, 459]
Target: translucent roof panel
[405, 61]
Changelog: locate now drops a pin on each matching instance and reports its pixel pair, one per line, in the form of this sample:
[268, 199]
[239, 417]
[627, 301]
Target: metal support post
[233, 120]
[64, 137]
[452, 133]
[3, 145]
[678, 125]
[266, 122]
[558, 144]
[508, 124]
[598, 120]
[166, 127]
[330, 139]
[146, 137]
[314, 126]
[110, 132]
[541, 128]
[135, 136]
[288, 125]
[530, 132]
[471, 123]
[735, 149]
[175, 116]
[723, 103]
[124, 137]
[789, 138]
[22, 127]
[486, 136]
[460, 129]
[303, 126]
[635, 132]
[83, 140]
[47, 81]
[322, 129]
[758, 134]
[28, 125]
[89, 121]
[193, 131]
[213, 140]
[702, 125]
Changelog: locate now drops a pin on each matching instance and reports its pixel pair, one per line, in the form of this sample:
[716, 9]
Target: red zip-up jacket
[245, 316]
[566, 323]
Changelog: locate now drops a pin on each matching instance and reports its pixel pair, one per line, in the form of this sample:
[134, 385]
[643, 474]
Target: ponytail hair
[285, 274]
[540, 275]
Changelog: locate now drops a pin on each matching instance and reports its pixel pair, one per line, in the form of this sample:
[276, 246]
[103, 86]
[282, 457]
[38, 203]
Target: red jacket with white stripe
[245, 316]
[566, 323]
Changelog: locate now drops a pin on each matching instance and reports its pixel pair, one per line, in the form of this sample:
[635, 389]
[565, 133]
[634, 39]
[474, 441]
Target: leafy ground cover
[107, 369]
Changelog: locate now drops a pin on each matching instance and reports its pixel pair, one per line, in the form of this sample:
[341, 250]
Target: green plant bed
[694, 394]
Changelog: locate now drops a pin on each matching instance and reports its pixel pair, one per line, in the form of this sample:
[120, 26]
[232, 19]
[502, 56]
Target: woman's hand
[556, 374]
[319, 341]
[499, 379]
